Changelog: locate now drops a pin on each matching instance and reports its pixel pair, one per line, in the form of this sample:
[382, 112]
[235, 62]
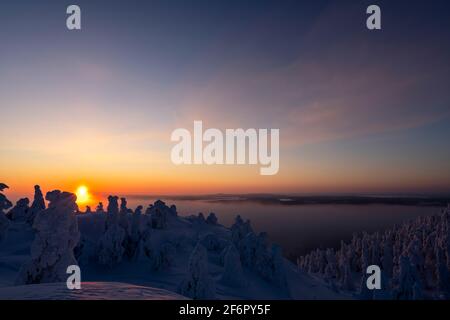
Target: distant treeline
[430, 201]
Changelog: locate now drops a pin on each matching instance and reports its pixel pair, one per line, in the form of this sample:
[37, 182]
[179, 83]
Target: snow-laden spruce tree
[37, 205]
[161, 256]
[198, 284]
[20, 212]
[134, 236]
[99, 208]
[278, 275]
[442, 272]
[123, 215]
[56, 237]
[4, 205]
[385, 293]
[364, 293]
[212, 242]
[233, 275]
[257, 254]
[239, 230]
[211, 219]
[112, 213]
[331, 265]
[110, 247]
[160, 214]
[405, 280]
[388, 255]
[347, 277]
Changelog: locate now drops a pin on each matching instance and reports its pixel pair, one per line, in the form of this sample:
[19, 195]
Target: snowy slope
[88, 291]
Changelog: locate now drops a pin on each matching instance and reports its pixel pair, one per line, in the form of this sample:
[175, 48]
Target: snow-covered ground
[88, 291]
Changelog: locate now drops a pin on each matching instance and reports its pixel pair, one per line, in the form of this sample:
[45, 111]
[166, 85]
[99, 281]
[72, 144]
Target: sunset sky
[358, 110]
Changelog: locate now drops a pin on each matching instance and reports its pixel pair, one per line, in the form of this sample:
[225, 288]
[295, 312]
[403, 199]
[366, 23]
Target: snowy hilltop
[89, 291]
[155, 248]
[155, 252]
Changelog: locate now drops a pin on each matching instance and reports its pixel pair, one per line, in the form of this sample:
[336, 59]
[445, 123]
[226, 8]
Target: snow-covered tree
[211, 219]
[56, 237]
[37, 205]
[331, 265]
[405, 280]
[160, 214]
[99, 208]
[442, 273]
[123, 215]
[20, 211]
[347, 278]
[111, 245]
[239, 230]
[364, 293]
[161, 256]
[112, 214]
[213, 242]
[134, 236]
[278, 275]
[388, 256]
[4, 205]
[233, 275]
[198, 284]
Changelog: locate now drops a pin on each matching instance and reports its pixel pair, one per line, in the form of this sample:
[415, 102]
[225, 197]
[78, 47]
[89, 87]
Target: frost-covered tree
[278, 275]
[37, 205]
[388, 256]
[56, 237]
[211, 219]
[385, 292]
[173, 210]
[213, 242]
[161, 256]
[123, 215]
[331, 265]
[160, 214]
[405, 280]
[112, 213]
[4, 205]
[99, 208]
[198, 284]
[364, 293]
[111, 244]
[442, 272]
[347, 277]
[239, 230]
[134, 237]
[257, 254]
[233, 275]
[20, 211]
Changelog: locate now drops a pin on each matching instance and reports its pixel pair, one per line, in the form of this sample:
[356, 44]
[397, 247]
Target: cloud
[342, 84]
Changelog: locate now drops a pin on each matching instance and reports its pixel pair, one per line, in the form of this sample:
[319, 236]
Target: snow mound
[88, 291]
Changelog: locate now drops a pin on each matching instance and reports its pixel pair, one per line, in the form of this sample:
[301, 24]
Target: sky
[358, 110]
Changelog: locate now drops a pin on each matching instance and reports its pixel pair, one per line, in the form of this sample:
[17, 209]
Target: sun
[82, 194]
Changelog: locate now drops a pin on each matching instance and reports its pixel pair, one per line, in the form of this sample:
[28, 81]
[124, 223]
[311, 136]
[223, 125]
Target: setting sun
[82, 194]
